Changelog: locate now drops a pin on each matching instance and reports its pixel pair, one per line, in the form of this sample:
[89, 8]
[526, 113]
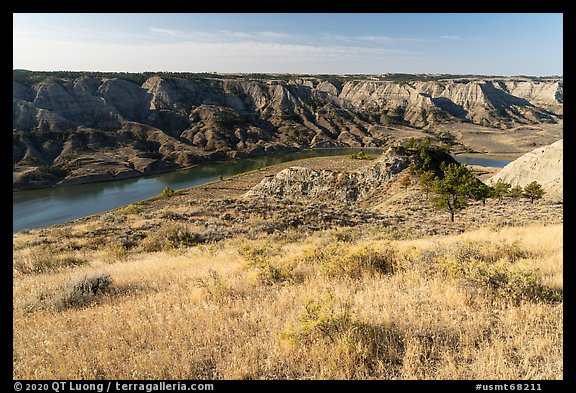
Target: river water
[38, 208]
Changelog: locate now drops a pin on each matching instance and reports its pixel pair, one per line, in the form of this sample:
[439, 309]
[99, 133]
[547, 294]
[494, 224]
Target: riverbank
[216, 210]
[36, 208]
[110, 176]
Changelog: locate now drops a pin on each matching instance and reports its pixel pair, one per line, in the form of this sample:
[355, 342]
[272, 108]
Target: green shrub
[512, 283]
[357, 346]
[114, 252]
[501, 280]
[134, 208]
[487, 251]
[323, 317]
[167, 192]
[339, 259]
[214, 285]
[269, 270]
[359, 156]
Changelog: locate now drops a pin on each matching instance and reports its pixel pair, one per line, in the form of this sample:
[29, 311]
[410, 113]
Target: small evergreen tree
[515, 192]
[501, 188]
[481, 192]
[167, 192]
[452, 191]
[533, 191]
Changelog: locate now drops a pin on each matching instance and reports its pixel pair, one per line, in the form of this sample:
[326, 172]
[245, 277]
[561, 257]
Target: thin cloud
[173, 33]
[449, 37]
[377, 38]
[222, 35]
[280, 37]
[370, 39]
[240, 56]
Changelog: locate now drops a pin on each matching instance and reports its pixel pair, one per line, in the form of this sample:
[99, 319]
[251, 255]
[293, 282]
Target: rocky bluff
[81, 129]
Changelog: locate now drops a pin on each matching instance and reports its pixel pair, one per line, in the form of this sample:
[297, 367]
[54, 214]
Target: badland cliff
[90, 128]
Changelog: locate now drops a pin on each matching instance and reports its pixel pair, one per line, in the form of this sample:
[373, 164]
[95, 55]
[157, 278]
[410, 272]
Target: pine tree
[427, 181]
[533, 191]
[501, 188]
[481, 192]
[452, 191]
[515, 192]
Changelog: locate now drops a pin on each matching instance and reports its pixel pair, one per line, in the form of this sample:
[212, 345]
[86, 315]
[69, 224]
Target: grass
[44, 258]
[486, 304]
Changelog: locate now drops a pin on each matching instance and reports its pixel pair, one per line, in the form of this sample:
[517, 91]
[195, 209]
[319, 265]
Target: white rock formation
[348, 187]
[544, 165]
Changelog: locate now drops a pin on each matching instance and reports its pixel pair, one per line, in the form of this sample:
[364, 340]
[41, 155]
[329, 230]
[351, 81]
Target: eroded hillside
[544, 165]
[94, 128]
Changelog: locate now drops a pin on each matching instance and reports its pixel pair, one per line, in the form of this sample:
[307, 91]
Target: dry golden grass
[266, 309]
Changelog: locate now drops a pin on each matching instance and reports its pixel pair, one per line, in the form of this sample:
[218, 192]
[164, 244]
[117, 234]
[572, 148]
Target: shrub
[167, 192]
[498, 277]
[134, 208]
[114, 252]
[339, 259]
[170, 236]
[323, 317]
[512, 284]
[359, 156]
[487, 251]
[254, 252]
[116, 217]
[357, 346]
[214, 285]
[269, 271]
[83, 291]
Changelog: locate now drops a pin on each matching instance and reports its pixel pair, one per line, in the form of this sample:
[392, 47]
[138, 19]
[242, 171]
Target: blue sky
[334, 43]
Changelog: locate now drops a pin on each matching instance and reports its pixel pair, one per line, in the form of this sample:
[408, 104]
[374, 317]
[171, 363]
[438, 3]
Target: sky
[311, 43]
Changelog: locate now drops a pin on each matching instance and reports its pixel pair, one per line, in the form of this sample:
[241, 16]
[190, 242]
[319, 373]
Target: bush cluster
[339, 259]
[268, 270]
[359, 156]
[496, 269]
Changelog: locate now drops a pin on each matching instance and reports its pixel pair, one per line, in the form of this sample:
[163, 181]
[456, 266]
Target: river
[38, 208]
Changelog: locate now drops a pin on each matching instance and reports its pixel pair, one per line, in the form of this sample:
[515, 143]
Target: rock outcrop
[333, 186]
[543, 165]
[60, 125]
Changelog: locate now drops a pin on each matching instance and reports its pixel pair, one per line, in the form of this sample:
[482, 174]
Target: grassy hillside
[211, 283]
[358, 302]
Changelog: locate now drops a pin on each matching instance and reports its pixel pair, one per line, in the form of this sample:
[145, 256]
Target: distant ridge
[71, 127]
